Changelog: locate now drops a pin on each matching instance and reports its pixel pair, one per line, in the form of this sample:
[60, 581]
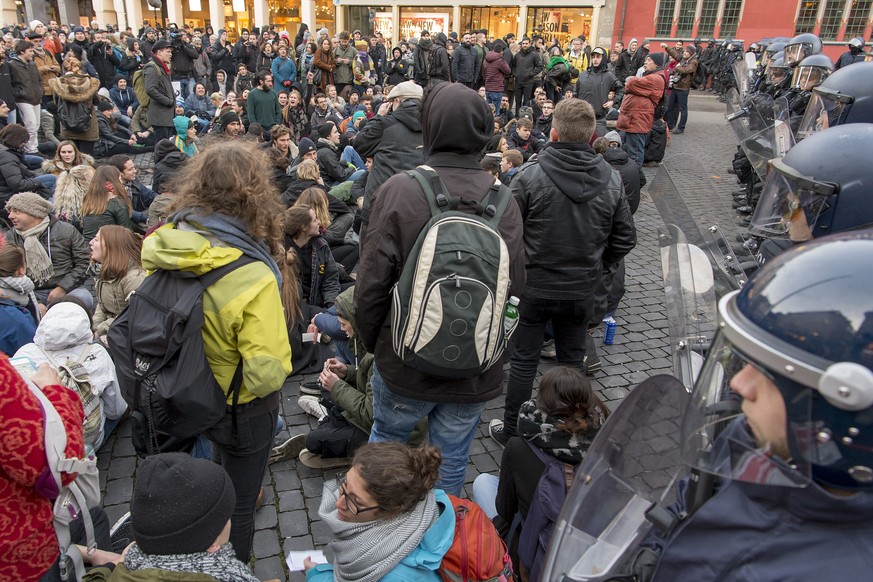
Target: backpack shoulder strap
[433, 187]
[496, 203]
[214, 275]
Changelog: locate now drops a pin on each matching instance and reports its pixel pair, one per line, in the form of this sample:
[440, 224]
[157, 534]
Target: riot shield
[772, 141]
[743, 76]
[698, 262]
[750, 115]
[629, 473]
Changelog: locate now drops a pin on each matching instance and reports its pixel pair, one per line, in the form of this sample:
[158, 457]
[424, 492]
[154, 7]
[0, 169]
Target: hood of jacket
[441, 39]
[409, 114]
[63, 326]
[492, 56]
[164, 149]
[75, 88]
[180, 123]
[577, 171]
[428, 554]
[604, 62]
[179, 249]
[455, 120]
[345, 307]
[616, 156]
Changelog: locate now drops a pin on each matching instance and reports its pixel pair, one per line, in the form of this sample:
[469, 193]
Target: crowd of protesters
[291, 151]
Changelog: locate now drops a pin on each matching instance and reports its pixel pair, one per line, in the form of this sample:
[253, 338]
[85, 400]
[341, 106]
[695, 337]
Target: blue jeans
[494, 98]
[350, 155]
[485, 493]
[635, 146]
[327, 323]
[451, 427]
[32, 161]
[47, 180]
[677, 109]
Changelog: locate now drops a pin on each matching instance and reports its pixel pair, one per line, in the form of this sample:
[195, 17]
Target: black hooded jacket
[456, 125]
[168, 161]
[595, 84]
[576, 220]
[440, 68]
[631, 175]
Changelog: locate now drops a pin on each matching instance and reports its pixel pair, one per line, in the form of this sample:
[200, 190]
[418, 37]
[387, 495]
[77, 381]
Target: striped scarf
[365, 552]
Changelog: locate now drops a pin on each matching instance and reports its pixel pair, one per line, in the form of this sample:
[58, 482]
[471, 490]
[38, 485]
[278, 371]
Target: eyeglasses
[353, 507]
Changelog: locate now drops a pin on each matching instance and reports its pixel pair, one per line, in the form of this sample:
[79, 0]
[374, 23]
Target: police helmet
[811, 72]
[801, 332]
[857, 43]
[846, 96]
[800, 47]
[820, 187]
[776, 69]
[777, 46]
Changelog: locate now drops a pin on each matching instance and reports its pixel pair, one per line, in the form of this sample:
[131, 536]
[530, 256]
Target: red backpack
[477, 553]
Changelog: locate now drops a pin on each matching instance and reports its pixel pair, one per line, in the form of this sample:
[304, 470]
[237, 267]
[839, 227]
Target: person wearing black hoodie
[577, 223]
[168, 161]
[600, 88]
[440, 67]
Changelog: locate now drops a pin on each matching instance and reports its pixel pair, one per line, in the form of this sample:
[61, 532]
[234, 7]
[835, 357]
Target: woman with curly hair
[234, 214]
[388, 521]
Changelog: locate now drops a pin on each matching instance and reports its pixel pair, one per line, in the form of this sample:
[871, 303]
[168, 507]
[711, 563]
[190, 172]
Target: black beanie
[227, 117]
[305, 146]
[325, 129]
[180, 504]
[658, 58]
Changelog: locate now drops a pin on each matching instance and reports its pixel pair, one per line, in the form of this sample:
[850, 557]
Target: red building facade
[835, 21]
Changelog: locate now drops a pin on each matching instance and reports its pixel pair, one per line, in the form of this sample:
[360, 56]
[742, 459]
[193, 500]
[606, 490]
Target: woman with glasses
[388, 520]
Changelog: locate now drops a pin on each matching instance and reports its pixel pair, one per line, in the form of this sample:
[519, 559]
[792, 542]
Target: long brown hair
[106, 182]
[230, 178]
[78, 157]
[11, 259]
[316, 199]
[396, 475]
[122, 250]
[295, 219]
[290, 289]
[566, 394]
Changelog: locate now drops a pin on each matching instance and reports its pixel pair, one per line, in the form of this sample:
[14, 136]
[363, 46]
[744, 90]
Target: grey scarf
[17, 289]
[365, 552]
[39, 265]
[221, 565]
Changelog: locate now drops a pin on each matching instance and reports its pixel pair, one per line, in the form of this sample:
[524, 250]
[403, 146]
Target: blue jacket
[283, 70]
[424, 561]
[193, 103]
[751, 533]
[16, 327]
[123, 99]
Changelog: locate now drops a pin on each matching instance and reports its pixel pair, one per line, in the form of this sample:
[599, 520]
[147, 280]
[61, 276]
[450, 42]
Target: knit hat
[658, 58]
[227, 117]
[406, 90]
[30, 203]
[613, 137]
[356, 115]
[324, 130]
[305, 146]
[104, 93]
[104, 106]
[633, 40]
[78, 29]
[361, 45]
[130, 42]
[180, 504]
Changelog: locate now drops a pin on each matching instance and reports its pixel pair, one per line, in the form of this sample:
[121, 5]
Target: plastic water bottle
[510, 316]
[90, 453]
[609, 337]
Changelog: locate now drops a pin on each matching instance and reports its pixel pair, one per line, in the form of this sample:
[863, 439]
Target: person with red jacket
[641, 97]
[495, 70]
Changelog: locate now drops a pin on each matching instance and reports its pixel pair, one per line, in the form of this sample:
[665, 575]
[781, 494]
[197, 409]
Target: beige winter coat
[112, 297]
[78, 89]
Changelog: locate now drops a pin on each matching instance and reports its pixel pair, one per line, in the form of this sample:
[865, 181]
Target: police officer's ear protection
[847, 386]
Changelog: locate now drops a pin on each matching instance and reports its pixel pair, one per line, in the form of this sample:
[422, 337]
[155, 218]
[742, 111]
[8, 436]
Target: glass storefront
[324, 15]
[497, 21]
[434, 19]
[562, 24]
[364, 18]
[285, 14]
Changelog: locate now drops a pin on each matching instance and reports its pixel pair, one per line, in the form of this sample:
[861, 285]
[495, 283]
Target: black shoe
[312, 388]
[746, 209]
[495, 430]
[678, 131]
[591, 360]
[737, 203]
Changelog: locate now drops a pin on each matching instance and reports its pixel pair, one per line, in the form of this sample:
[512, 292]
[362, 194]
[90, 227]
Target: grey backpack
[447, 307]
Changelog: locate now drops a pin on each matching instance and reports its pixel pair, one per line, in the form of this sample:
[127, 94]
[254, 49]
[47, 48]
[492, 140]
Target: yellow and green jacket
[243, 310]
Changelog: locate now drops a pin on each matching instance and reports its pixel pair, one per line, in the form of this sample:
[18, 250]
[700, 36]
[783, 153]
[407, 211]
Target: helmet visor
[794, 53]
[807, 77]
[822, 111]
[742, 440]
[788, 208]
[776, 75]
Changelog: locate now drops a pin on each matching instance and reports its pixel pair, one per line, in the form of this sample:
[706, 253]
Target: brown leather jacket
[685, 69]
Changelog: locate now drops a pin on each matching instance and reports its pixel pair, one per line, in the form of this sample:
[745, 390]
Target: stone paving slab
[289, 518]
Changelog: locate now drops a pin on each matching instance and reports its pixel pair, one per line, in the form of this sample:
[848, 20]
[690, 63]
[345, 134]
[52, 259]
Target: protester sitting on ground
[29, 544]
[336, 167]
[180, 516]
[305, 175]
[117, 250]
[56, 253]
[336, 218]
[186, 135]
[510, 163]
[519, 137]
[318, 272]
[168, 161]
[113, 139]
[561, 423]
[283, 151]
[388, 520]
[63, 337]
[19, 310]
[74, 171]
[141, 196]
[106, 202]
[15, 176]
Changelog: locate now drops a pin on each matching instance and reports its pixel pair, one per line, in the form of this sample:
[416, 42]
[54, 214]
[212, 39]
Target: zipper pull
[459, 256]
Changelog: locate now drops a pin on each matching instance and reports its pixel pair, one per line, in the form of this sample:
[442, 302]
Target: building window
[708, 15]
[686, 18]
[730, 19]
[806, 16]
[858, 17]
[830, 24]
[560, 23]
[664, 25]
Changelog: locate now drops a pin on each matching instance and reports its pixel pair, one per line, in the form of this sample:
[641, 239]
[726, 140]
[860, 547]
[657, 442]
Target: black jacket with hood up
[576, 220]
[595, 84]
[631, 175]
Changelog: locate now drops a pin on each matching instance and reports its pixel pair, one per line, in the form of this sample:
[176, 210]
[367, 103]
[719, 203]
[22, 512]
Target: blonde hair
[308, 170]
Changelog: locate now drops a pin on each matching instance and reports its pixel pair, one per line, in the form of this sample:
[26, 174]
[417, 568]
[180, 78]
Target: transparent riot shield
[628, 475]
[750, 115]
[743, 76]
[699, 263]
[772, 141]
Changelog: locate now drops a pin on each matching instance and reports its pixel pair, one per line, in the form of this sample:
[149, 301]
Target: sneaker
[591, 359]
[651, 164]
[121, 533]
[290, 449]
[549, 350]
[314, 461]
[495, 430]
[312, 406]
[313, 388]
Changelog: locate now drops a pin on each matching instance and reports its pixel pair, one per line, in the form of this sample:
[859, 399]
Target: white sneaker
[312, 406]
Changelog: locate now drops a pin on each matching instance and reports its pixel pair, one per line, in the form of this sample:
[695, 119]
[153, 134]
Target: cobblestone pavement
[289, 518]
